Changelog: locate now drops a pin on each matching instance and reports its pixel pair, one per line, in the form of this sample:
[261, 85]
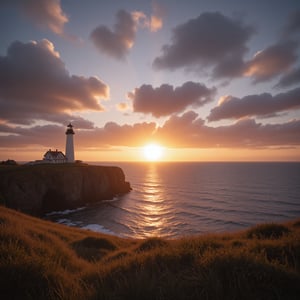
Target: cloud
[46, 14]
[166, 99]
[35, 85]
[112, 134]
[212, 40]
[290, 78]
[184, 126]
[154, 22]
[117, 42]
[122, 106]
[255, 105]
[156, 19]
[127, 135]
[218, 43]
[185, 131]
[191, 132]
[272, 61]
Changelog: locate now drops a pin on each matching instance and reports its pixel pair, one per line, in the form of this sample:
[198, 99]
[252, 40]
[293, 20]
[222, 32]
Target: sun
[153, 152]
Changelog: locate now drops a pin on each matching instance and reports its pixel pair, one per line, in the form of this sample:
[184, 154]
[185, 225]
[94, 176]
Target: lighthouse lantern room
[70, 144]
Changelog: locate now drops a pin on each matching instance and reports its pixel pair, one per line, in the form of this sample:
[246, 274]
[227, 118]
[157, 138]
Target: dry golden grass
[43, 260]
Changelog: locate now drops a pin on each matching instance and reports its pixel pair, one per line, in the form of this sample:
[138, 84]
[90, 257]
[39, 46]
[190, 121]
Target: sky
[208, 80]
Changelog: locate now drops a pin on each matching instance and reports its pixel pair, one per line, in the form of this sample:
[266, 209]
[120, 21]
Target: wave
[64, 212]
[98, 228]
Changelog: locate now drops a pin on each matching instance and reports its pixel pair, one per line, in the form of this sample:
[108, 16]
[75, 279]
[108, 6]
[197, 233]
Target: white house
[55, 157]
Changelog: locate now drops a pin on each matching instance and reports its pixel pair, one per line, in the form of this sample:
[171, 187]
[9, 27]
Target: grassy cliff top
[43, 260]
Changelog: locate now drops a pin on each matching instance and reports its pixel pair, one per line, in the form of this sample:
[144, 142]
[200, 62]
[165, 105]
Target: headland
[41, 188]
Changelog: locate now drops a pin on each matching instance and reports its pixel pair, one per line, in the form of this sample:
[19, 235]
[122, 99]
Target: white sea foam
[68, 222]
[98, 228]
[111, 200]
[64, 212]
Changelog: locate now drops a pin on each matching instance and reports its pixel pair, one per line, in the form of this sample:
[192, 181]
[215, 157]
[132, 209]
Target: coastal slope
[38, 189]
[43, 260]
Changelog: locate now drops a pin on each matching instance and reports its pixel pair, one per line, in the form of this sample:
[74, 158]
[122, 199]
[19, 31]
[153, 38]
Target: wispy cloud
[45, 13]
[122, 106]
[157, 16]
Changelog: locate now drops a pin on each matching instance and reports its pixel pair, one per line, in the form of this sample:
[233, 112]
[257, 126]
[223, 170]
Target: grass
[43, 260]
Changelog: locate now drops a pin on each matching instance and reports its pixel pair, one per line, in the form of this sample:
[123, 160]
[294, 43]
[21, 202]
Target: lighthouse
[70, 144]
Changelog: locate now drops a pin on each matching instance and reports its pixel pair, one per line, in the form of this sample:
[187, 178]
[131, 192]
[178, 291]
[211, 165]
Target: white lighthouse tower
[70, 144]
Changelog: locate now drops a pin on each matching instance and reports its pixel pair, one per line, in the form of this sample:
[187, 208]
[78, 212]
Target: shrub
[267, 231]
[93, 248]
[152, 243]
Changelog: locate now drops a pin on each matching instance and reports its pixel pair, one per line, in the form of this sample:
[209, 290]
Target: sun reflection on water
[153, 207]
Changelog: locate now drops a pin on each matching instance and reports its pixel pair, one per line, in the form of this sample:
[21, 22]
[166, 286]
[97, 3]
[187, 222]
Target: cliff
[38, 189]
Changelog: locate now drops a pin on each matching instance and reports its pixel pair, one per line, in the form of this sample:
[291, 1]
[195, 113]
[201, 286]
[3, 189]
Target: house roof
[54, 154]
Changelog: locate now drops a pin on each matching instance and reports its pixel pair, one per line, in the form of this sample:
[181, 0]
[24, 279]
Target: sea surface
[181, 199]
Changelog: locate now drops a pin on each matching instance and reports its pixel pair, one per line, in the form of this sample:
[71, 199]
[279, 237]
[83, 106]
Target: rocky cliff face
[39, 189]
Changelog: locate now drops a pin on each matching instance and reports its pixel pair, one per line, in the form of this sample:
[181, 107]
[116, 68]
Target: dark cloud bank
[187, 131]
[191, 131]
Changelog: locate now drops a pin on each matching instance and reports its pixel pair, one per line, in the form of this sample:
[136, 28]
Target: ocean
[181, 199]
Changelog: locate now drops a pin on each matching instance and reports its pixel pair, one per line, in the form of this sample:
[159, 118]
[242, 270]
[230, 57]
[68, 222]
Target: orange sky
[168, 154]
[209, 80]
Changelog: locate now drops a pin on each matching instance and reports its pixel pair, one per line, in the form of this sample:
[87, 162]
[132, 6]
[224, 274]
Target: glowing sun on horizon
[153, 152]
